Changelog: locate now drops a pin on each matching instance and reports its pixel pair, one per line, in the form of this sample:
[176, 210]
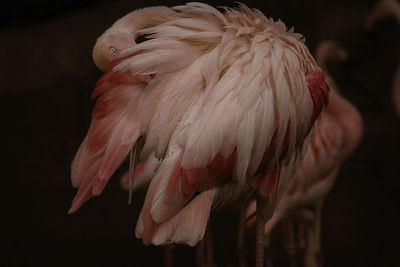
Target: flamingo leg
[169, 255]
[200, 254]
[260, 233]
[205, 250]
[318, 235]
[301, 237]
[313, 253]
[267, 249]
[134, 155]
[290, 245]
[132, 166]
[241, 237]
[210, 244]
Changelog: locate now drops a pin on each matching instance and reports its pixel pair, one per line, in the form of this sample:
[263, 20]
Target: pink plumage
[226, 101]
[336, 135]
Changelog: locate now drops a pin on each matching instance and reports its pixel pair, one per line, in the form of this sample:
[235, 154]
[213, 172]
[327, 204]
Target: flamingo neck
[350, 119]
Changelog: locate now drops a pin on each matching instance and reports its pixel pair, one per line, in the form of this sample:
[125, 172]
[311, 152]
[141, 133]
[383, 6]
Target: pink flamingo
[226, 101]
[387, 8]
[336, 135]
[124, 32]
[121, 36]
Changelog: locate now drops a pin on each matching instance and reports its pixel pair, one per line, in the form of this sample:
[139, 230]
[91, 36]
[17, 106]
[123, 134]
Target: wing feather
[113, 131]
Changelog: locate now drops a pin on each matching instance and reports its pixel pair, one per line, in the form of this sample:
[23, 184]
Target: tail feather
[85, 189]
[145, 225]
[83, 160]
[187, 226]
[179, 185]
[169, 197]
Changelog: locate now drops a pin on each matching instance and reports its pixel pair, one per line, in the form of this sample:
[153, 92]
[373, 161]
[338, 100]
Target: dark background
[46, 78]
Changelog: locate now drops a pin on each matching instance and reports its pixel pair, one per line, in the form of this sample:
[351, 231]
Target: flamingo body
[226, 101]
[336, 135]
[383, 9]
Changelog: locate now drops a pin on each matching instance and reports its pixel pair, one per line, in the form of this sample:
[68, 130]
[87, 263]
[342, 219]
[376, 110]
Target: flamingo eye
[113, 50]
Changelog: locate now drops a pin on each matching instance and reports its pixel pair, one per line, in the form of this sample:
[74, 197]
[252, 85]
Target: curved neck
[321, 60]
[397, 13]
[349, 117]
[394, 9]
[144, 18]
[325, 52]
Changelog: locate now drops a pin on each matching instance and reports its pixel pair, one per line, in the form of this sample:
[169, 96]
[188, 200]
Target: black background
[46, 78]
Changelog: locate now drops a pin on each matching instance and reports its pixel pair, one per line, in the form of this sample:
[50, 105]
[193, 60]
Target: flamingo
[386, 8]
[226, 102]
[124, 32]
[336, 135]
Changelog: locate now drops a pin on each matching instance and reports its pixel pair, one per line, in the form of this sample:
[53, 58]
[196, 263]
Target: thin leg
[169, 255]
[133, 161]
[259, 234]
[201, 253]
[210, 244]
[318, 216]
[313, 253]
[290, 242]
[241, 237]
[205, 253]
[267, 250]
[132, 167]
[301, 236]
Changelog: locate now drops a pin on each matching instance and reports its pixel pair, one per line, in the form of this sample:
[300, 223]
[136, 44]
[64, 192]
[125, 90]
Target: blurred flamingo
[383, 9]
[387, 8]
[336, 135]
[225, 101]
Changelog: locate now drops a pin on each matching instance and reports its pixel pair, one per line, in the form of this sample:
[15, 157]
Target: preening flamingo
[226, 101]
[336, 135]
[124, 32]
[388, 8]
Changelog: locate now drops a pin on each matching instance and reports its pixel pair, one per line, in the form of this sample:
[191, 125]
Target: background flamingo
[383, 9]
[335, 138]
[336, 135]
[208, 126]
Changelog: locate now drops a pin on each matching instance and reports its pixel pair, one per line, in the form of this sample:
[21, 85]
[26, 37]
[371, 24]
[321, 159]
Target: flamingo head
[107, 47]
[338, 52]
[330, 50]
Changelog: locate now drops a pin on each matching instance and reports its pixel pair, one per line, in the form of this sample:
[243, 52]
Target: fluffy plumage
[228, 110]
[336, 135]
